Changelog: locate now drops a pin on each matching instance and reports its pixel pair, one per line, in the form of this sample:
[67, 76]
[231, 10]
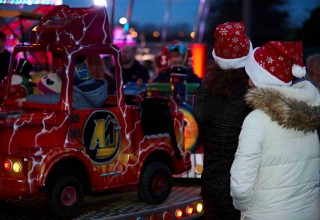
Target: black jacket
[219, 123]
[4, 64]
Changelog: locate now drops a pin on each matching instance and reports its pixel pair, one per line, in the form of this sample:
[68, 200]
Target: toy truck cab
[53, 147]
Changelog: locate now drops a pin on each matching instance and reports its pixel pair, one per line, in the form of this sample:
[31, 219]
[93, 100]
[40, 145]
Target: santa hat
[276, 63]
[232, 46]
[49, 84]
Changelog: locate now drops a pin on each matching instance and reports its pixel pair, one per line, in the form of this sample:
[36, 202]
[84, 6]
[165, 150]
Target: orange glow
[192, 34]
[134, 34]
[191, 130]
[179, 213]
[7, 165]
[199, 207]
[198, 59]
[189, 210]
[156, 34]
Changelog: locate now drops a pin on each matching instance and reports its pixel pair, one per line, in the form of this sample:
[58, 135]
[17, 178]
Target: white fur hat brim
[260, 76]
[236, 63]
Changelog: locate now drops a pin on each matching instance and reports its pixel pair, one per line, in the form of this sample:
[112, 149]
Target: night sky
[152, 12]
[182, 11]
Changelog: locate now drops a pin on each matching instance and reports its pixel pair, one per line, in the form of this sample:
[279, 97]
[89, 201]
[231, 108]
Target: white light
[123, 20]
[100, 2]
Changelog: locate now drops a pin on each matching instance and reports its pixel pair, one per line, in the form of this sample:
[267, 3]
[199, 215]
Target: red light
[189, 210]
[7, 165]
[198, 59]
[179, 213]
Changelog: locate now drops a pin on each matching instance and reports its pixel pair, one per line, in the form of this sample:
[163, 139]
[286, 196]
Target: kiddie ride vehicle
[66, 152]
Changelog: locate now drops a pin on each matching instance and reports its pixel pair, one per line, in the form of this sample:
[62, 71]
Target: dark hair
[80, 59]
[224, 83]
[2, 36]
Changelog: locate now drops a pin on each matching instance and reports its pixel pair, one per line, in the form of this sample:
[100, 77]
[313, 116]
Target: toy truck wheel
[65, 195]
[155, 184]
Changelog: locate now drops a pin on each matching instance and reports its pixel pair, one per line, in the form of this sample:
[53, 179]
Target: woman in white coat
[275, 174]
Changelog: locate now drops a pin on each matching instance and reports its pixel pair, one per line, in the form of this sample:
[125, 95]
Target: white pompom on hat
[275, 63]
[232, 46]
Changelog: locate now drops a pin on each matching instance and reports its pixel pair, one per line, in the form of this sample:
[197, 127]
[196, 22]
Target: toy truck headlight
[199, 207]
[16, 167]
[189, 210]
[7, 165]
[179, 213]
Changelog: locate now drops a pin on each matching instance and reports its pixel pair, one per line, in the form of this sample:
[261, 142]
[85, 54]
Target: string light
[31, 2]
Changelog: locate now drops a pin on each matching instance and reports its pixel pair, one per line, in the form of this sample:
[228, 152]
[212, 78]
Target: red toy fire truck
[67, 152]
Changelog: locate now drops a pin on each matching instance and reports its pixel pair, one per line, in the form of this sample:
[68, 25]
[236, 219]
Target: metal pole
[22, 36]
[129, 12]
[203, 21]
[199, 15]
[21, 29]
[112, 17]
[165, 22]
[246, 13]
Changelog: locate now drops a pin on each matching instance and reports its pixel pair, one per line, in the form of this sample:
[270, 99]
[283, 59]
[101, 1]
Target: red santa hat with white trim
[275, 63]
[232, 46]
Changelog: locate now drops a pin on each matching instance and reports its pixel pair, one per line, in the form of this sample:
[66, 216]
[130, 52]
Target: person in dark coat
[4, 57]
[132, 70]
[220, 109]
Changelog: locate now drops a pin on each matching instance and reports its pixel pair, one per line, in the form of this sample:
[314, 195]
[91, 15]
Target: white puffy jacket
[275, 174]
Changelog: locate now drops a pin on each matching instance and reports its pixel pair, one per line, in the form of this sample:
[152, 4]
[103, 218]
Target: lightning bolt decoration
[40, 135]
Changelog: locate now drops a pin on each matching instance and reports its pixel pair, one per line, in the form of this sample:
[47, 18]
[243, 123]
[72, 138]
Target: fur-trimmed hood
[296, 107]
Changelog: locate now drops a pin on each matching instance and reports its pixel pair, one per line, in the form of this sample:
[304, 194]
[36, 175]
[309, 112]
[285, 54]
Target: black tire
[65, 195]
[155, 184]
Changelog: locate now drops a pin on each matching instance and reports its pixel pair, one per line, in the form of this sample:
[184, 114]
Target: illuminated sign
[31, 2]
[199, 54]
